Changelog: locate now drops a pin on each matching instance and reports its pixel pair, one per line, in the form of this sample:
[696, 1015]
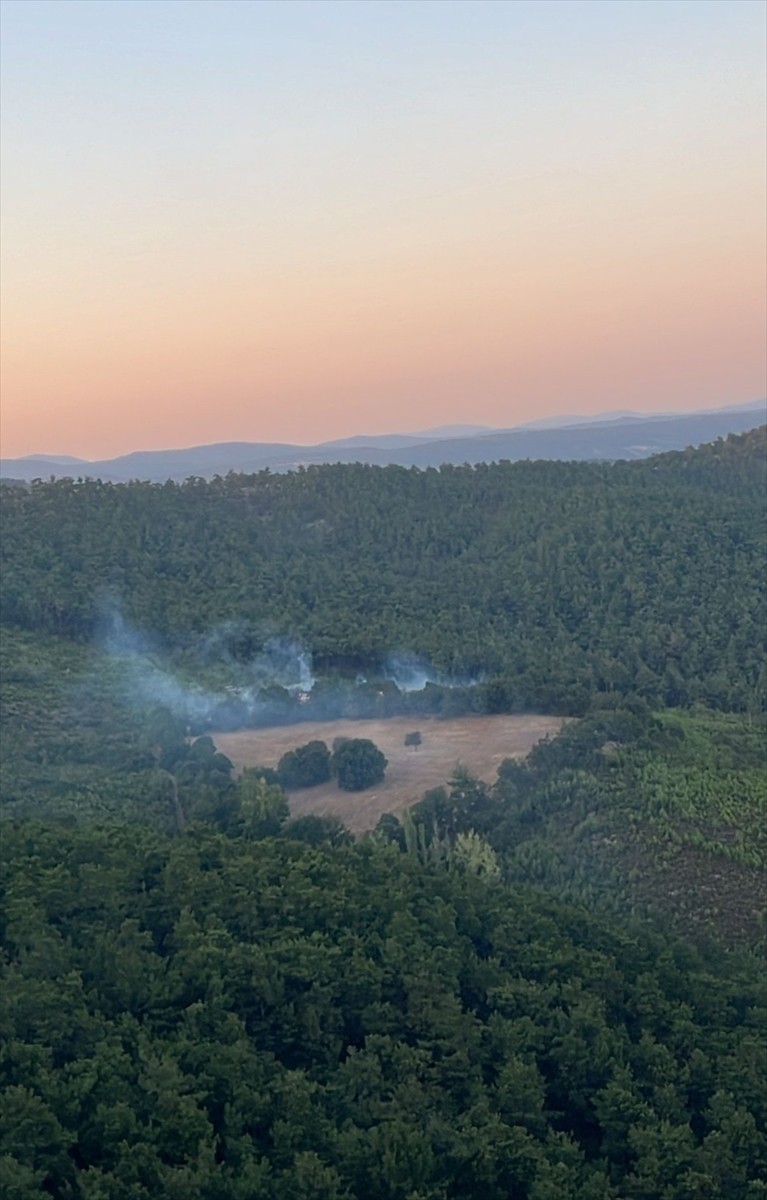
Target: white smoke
[148, 679]
[251, 679]
[409, 672]
[284, 662]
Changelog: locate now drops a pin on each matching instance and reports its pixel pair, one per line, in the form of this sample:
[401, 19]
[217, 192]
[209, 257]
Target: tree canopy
[305, 766]
[545, 986]
[552, 582]
[216, 1016]
[358, 764]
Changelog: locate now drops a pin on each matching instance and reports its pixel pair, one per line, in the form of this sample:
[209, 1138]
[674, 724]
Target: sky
[225, 220]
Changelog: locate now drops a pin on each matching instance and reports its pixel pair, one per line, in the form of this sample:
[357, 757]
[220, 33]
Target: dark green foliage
[413, 739]
[203, 1000]
[259, 809]
[73, 749]
[627, 811]
[212, 1017]
[358, 764]
[317, 831]
[390, 829]
[559, 582]
[268, 774]
[305, 766]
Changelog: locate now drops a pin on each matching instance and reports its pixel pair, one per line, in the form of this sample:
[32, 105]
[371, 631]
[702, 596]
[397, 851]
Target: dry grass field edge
[477, 743]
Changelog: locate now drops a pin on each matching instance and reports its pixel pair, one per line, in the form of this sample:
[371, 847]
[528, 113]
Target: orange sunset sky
[297, 221]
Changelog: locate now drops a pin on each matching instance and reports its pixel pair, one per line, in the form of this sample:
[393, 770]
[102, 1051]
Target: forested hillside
[545, 987]
[659, 816]
[555, 580]
[264, 1020]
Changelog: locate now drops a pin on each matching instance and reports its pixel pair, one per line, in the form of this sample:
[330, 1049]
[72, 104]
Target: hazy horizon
[298, 222]
[435, 433]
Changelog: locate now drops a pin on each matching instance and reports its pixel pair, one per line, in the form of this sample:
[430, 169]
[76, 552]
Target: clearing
[477, 743]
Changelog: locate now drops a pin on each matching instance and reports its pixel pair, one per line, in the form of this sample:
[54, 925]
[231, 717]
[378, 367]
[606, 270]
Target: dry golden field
[477, 743]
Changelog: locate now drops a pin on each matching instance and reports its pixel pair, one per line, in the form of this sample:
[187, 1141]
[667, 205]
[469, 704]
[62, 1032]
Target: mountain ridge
[609, 437]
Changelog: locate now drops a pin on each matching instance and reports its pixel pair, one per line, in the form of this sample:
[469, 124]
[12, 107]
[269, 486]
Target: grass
[477, 743]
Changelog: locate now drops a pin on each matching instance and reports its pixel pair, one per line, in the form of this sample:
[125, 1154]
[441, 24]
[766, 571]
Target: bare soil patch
[477, 743]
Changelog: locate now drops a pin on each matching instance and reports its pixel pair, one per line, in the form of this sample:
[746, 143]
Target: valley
[544, 971]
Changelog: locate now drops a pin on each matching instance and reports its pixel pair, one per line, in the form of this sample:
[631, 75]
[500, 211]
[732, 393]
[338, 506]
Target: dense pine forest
[547, 985]
[556, 580]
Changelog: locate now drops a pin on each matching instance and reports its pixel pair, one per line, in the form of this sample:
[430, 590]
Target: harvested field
[477, 743]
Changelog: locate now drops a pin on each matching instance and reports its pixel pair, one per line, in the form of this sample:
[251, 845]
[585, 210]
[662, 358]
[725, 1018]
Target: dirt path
[477, 743]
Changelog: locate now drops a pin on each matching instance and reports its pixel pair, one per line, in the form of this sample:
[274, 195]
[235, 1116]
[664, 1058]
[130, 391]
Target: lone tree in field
[413, 739]
[358, 764]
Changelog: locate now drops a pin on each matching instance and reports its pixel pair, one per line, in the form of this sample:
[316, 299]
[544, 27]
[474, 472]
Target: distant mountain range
[611, 436]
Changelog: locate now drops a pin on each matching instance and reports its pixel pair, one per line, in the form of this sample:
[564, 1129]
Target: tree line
[552, 582]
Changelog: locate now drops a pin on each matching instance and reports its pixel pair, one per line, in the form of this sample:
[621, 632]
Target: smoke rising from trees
[232, 677]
